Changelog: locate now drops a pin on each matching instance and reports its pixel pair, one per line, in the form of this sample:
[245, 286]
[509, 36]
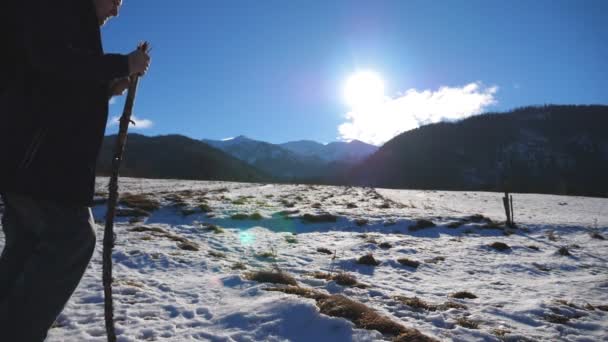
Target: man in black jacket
[52, 122]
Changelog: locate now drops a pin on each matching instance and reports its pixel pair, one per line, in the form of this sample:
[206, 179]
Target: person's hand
[119, 86]
[139, 61]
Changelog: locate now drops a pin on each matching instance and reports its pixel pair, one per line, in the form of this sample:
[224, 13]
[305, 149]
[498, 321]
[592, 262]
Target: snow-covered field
[529, 292]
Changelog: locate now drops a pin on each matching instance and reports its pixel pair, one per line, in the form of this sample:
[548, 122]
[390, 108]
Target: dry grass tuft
[324, 250]
[551, 236]
[536, 248]
[596, 235]
[409, 262]
[325, 217]
[421, 224]
[557, 319]
[238, 266]
[345, 279]
[188, 246]
[213, 228]
[416, 303]
[500, 332]
[563, 251]
[463, 295]
[160, 232]
[451, 305]
[131, 212]
[299, 291]
[272, 277]
[368, 259]
[361, 315]
[500, 246]
[361, 222]
[255, 216]
[139, 201]
[467, 323]
[385, 245]
[413, 335]
[435, 260]
[216, 254]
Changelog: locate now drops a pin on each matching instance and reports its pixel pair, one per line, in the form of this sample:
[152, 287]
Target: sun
[364, 89]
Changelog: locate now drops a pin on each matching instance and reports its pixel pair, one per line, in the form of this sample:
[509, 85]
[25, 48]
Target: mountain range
[543, 149]
[302, 159]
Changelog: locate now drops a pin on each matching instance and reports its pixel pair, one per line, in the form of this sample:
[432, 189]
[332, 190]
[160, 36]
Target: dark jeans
[47, 248]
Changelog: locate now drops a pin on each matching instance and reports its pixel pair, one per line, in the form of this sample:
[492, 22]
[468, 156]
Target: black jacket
[53, 116]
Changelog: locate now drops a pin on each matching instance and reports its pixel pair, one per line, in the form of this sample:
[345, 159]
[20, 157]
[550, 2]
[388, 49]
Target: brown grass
[361, 222]
[463, 295]
[557, 319]
[451, 305]
[385, 245]
[345, 279]
[216, 254]
[238, 266]
[324, 250]
[361, 315]
[421, 224]
[159, 232]
[131, 212]
[139, 201]
[596, 235]
[416, 303]
[368, 259]
[563, 251]
[409, 262]
[500, 246]
[467, 323]
[188, 246]
[272, 277]
[326, 217]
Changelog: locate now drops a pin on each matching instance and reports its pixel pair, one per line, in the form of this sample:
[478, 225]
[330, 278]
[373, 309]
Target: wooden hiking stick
[108, 235]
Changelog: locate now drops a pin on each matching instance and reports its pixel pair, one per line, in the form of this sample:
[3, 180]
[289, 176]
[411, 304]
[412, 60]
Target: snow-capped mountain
[352, 151]
[271, 158]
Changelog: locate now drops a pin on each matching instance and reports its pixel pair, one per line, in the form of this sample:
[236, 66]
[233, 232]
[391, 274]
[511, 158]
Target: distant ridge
[178, 157]
[542, 149]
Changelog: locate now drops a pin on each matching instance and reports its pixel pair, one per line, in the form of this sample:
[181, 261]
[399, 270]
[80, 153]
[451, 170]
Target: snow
[164, 293]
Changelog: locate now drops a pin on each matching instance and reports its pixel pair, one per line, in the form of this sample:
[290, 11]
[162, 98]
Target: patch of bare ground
[435, 260]
[385, 245]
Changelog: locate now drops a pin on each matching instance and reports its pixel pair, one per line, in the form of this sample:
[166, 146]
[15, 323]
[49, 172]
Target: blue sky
[276, 70]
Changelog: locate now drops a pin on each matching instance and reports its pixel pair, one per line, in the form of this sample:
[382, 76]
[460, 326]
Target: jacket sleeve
[50, 30]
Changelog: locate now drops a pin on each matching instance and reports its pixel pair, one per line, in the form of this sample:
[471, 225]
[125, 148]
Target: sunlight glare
[364, 89]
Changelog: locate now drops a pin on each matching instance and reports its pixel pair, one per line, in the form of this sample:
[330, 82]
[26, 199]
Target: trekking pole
[108, 235]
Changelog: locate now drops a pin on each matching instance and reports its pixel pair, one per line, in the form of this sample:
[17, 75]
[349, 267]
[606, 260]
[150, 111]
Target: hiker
[52, 122]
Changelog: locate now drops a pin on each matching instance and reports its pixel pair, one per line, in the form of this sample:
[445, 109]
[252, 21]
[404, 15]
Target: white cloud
[414, 108]
[139, 123]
